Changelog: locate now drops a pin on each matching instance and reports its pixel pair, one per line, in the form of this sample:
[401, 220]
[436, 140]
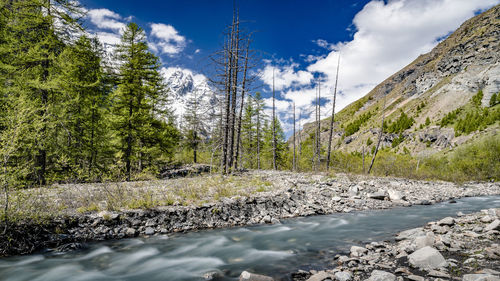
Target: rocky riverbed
[466, 248]
[292, 195]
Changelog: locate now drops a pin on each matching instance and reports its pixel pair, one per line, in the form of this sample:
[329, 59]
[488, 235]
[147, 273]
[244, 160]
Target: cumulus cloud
[106, 19]
[388, 35]
[166, 40]
[285, 76]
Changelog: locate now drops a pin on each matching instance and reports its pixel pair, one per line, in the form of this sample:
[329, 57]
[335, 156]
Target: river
[274, 250]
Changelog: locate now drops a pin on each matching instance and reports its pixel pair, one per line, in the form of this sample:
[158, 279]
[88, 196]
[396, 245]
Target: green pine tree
[144, 139]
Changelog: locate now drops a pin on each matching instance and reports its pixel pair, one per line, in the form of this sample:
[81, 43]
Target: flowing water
[274, 250]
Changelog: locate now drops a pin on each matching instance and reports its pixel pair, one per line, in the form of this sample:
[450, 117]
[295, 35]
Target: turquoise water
[275, 250]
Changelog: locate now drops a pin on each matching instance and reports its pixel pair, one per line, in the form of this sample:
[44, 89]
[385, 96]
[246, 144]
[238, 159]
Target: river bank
[465, 248]
[288, 195]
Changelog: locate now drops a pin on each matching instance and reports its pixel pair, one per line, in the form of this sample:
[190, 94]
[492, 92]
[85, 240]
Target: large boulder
[427, 258]
[378, 275]
[247, 276]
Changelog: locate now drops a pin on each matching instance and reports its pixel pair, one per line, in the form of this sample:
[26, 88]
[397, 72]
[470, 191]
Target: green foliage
[471, 117]
[402, 123]
[427, 121]
[495, 99]
[477, 98]
[398, 140]
[477, 120]
[477, 161]
[369, 141]
[281, 147]
[450, 117]
[354, 126]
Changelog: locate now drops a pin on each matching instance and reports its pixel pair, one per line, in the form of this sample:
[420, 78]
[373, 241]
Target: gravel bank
[292, 195]
[465, 248]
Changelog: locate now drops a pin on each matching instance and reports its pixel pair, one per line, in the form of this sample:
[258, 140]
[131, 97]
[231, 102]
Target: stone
[427, 258]
[495, 225]
[410, 234]
[378, 275]
[394, 195]
[320, 276]
[130, 232]
[486, 219]
[447, 221]
[343, 276]
[358, 251]
[480, 277]
[416, 278]
[353, 190]
[247, 276]
[422, 241]
[379, 195]
[149, 231]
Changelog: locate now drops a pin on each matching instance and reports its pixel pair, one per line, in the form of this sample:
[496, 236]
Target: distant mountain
[183, 87]
[444, 95]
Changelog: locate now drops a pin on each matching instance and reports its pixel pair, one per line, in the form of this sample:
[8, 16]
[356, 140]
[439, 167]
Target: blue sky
[300, 40]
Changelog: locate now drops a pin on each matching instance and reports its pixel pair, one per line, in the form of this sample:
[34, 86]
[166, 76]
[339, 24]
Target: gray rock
[320, 276]
[480, 277]
[353, 190]
[379, 195]
[247, 276]
[427, 258]
[149, 231]
[423, 241]
[447, 221]
[358, 251]
[410, 234]
[495, 225]
[343, 276]
[416, 278]
[378, 275]
[130, 232]
[394, 195]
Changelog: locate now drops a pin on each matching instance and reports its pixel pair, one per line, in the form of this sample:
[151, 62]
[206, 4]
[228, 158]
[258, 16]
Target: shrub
[402, 123]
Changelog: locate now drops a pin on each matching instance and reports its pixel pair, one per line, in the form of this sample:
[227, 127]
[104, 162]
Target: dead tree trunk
[379, 139]
[238, 138]
[332, 119]
[275, 167]
[294, 164]
[318, 140]
[234, 89]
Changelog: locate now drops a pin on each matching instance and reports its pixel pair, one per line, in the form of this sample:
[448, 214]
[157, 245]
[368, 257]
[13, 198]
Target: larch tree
[140, 133]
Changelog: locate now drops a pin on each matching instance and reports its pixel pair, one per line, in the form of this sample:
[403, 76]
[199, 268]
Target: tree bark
[379, 139]
[275, 167]
[332, 121]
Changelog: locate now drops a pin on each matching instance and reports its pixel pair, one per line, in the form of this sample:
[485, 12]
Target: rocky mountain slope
[456, 81]
[184, 87]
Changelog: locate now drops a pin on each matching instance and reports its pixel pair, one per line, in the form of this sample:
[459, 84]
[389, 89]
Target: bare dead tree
[294, 166]
[332, 120]
[379, 139]
[274, 128]
[318, 128]
[243, 89]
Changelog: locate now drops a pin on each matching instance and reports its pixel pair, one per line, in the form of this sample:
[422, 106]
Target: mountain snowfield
[184, 86]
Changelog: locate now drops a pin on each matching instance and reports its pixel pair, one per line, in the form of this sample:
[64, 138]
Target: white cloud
[106, 19]
[285, 76]
[388, 36]
[166, 39]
